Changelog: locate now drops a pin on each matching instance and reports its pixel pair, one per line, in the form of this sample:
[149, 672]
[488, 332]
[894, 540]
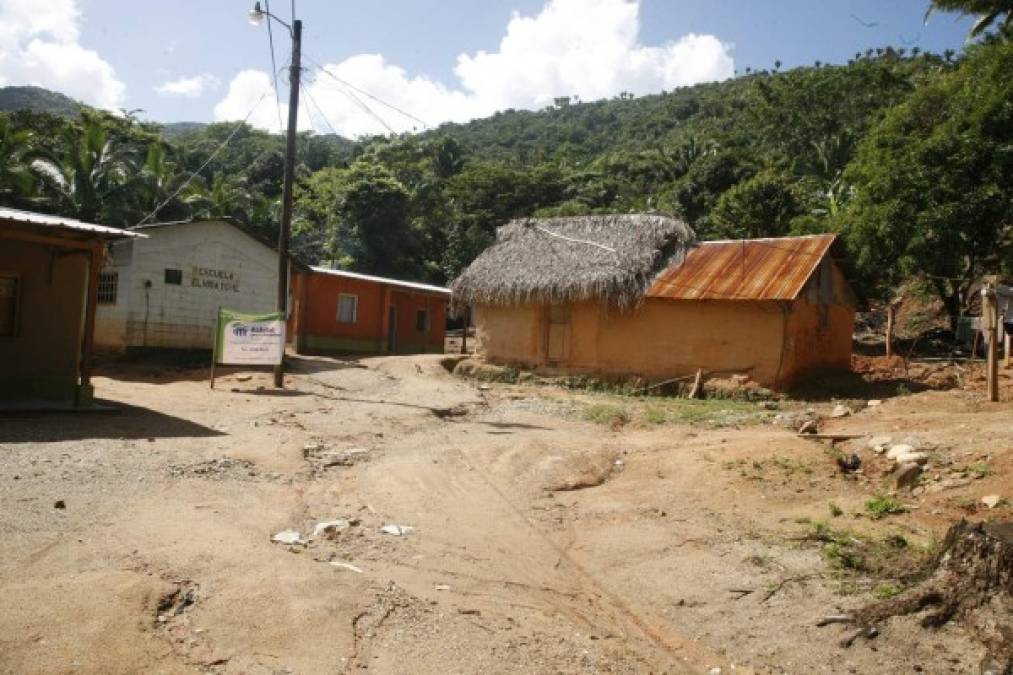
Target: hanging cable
[221, 146]
[274, 65]
[309, 97]
[367, 94]
[365, 108]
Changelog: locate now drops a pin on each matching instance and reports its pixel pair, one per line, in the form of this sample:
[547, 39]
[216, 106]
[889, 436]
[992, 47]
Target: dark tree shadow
[844, 385]
[119, 421]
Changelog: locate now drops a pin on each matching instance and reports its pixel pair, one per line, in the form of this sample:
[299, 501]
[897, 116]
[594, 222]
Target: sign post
[248, 340]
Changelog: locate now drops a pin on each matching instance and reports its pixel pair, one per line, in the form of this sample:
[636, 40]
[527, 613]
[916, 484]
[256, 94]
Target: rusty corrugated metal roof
[745, 269]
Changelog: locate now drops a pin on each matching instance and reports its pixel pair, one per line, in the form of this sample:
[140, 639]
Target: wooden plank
[833, 437]
[91, 301]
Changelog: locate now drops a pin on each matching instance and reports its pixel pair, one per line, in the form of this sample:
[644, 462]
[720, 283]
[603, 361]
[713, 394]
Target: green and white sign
[249, 339]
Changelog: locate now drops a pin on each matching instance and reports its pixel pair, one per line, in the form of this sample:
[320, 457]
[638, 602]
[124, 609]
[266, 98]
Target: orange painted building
[346, 312]
[633, 295]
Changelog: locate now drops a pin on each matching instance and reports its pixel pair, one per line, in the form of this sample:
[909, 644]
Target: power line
[274, 66]
[369, 95]
[320, 110]
[369, 111]
[221, 146]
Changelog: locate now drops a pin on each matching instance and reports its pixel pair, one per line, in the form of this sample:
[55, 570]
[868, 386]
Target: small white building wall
[222, 267]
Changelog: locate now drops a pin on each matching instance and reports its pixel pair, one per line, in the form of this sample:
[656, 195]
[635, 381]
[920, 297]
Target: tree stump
[970, 579]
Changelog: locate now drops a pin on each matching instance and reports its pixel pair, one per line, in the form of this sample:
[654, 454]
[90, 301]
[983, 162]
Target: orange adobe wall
[314, 327]
[659, 339]
[777, 343]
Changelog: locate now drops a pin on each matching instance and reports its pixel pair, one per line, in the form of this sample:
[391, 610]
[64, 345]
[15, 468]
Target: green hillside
[907, 155]
[38, 100]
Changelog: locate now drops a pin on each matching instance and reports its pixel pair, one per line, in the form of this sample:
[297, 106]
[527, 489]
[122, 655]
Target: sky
[398, 65]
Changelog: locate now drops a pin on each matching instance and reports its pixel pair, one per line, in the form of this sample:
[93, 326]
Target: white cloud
[251, 93]
[188, 87]
[587, 48]
[39, 46]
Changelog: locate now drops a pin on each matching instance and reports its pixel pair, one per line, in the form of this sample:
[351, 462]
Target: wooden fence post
[990, 326]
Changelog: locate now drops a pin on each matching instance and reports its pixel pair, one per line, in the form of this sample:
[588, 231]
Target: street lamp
[257, 16]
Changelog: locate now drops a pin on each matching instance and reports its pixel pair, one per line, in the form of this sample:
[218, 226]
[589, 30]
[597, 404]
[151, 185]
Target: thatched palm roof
[558, 260]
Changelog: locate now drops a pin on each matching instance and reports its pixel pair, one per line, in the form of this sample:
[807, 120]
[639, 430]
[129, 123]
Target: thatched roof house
[637, 295]
[563, 260]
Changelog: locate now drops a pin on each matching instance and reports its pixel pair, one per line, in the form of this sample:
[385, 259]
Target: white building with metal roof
[165, 291]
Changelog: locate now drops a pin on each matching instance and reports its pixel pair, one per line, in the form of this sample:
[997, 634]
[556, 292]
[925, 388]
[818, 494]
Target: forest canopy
[908, 155]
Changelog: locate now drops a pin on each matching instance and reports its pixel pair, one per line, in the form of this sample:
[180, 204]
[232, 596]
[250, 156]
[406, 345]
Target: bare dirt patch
[490, 527]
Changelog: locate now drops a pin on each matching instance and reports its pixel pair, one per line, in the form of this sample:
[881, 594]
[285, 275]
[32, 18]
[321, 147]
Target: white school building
[165, 290]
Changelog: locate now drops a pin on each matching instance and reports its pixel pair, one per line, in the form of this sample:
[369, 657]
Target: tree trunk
[971, 580]
[891, 312]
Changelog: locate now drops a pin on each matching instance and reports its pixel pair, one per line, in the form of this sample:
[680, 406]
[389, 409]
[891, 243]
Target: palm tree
[95, 171]
[987, 11]
[18, 180]
[155, 182]
[225, 197]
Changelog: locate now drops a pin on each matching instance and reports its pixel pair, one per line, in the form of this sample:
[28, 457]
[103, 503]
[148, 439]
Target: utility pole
[286, 195]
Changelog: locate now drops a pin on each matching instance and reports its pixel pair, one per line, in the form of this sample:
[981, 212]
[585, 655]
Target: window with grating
[108, 283]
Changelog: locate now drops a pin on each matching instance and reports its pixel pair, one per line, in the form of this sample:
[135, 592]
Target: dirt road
[539, 536]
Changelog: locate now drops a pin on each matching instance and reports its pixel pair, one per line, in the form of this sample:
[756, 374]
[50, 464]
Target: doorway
[557, 339]
[392, 329]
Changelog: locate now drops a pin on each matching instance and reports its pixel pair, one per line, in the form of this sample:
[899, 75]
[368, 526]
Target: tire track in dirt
[606, 604]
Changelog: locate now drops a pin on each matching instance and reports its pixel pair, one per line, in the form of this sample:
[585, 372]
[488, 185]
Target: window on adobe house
[174, 277]
[348, 308]
[10, 293]
[107, 285]
[422, 321]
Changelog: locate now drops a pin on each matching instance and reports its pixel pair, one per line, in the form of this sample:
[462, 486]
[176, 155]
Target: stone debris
[345, 566]
[59, 504]
[311, 449]
[328, 458]
[794, 420]
[808, 427]
[948, 484]
[906, 475]
[899, 449]
[991, 501]
[289, 538]
[396, 530]
[840, 410]
[874, 403]
[879, 444]
[915, 457]
[442, 587]
[221, 468]
[329, 529]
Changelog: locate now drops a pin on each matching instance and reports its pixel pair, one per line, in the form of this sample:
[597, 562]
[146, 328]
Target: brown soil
[542, 541]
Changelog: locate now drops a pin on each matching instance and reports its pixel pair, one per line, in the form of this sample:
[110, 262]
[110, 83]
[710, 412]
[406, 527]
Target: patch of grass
[887, 591]
[715, 412]
[980, 469]
[888, 558]
[607, 414]
[791, 466]
[835, 510]
[881, 507]
[655, 416]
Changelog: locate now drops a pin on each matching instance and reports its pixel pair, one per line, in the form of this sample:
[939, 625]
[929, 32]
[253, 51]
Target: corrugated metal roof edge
[834, 245]
[383, 280]
[48, 220]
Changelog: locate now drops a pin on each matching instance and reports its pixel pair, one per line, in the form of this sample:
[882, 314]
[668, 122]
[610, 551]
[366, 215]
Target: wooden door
[557, 343]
